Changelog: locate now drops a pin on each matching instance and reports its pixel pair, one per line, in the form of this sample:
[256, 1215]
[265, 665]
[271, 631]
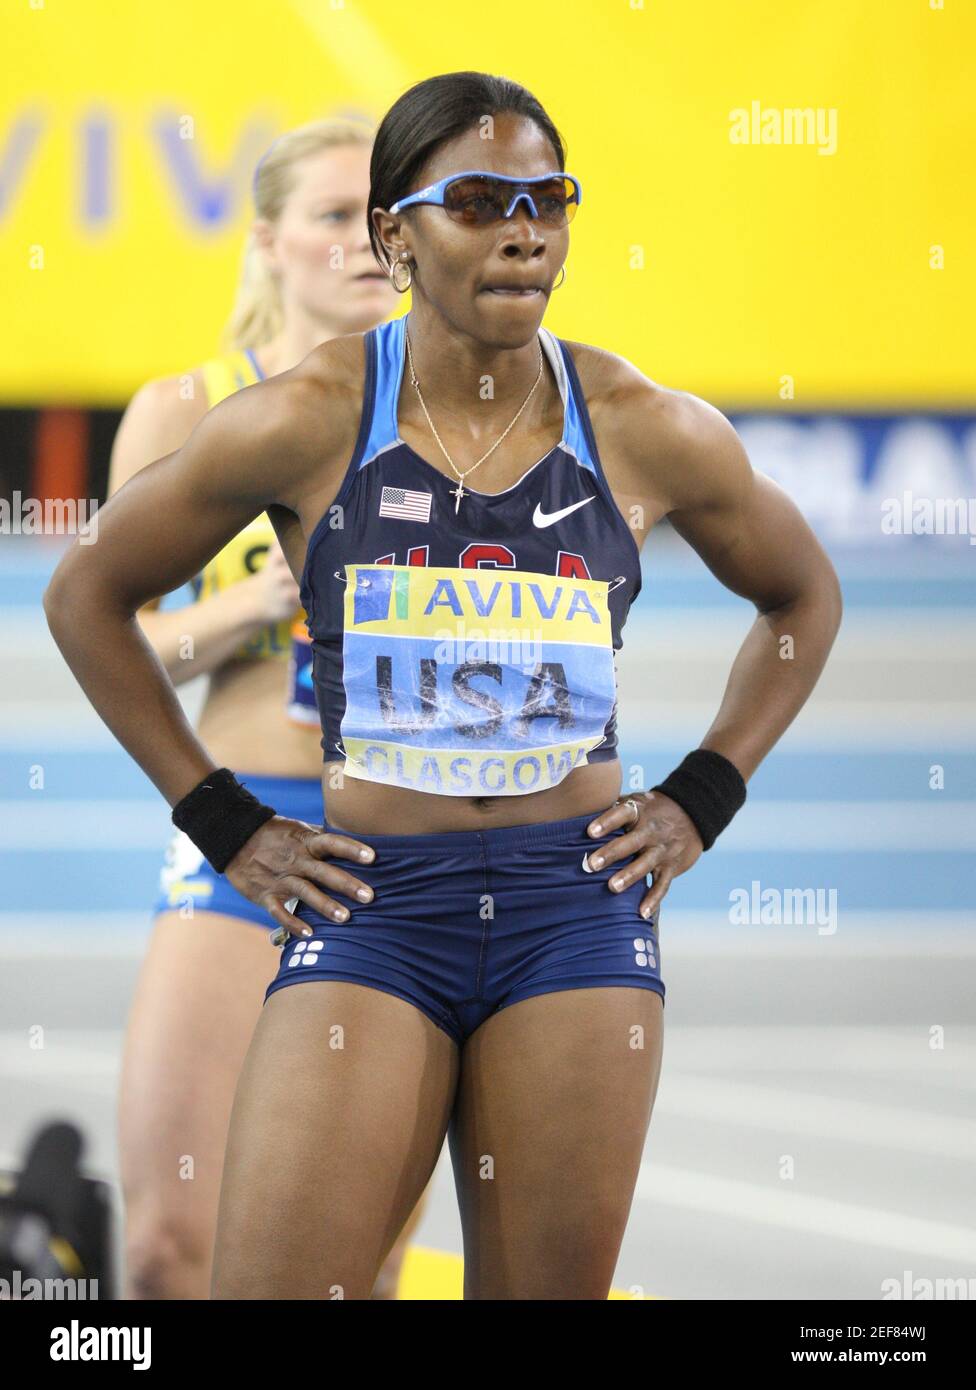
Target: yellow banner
[776, 197]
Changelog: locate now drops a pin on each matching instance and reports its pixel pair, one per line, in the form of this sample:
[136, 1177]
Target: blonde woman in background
[309, 275]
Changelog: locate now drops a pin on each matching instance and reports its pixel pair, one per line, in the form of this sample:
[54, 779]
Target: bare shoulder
[295, 430]
[158, 419]
[316, 406]
[333, 375]
[173, 402]
[685, 449]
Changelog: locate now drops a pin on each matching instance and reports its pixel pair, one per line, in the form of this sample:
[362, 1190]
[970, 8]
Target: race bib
[473, 682]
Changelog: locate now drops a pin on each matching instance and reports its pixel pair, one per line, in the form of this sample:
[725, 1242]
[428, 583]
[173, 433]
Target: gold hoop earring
[558, 283]
[403, 262]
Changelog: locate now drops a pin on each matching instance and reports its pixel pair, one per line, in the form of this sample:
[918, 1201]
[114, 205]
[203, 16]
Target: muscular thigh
[554, 1101]
[196, 1004]
[339, 1117]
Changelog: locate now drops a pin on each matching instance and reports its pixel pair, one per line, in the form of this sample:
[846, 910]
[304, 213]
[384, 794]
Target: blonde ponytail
[257, 317]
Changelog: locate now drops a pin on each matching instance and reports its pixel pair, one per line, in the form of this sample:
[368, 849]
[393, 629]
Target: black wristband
[219, 816]
[709, 789]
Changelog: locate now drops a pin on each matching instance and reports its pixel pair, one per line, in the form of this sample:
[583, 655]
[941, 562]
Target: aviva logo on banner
[473, 682]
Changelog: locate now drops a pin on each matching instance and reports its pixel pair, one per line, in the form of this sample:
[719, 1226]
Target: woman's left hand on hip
[661, 838]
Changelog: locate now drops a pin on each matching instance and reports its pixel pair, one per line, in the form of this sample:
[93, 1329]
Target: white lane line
[853, 825]
[827, 1050]
[699, 632]
[89, 1084]
[41, 726]
[704, 636]
[801, 826]
[867, 634]
[922, 936]
[933, 728]
[68, 936]
[817, 1216]
[80, 1060]
[647, 723]
[59, 1068]
[69, 1051]
[781, 1110]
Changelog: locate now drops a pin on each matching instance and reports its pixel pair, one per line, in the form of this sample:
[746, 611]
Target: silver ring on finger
[281, 935]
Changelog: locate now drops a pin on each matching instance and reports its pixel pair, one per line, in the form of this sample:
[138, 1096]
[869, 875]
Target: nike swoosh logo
[541, 518]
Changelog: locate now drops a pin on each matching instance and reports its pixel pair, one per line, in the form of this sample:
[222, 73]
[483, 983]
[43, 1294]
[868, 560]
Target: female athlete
[472, 929]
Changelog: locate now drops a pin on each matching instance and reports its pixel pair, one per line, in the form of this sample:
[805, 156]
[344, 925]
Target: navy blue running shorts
[466, 922]
[188, 884]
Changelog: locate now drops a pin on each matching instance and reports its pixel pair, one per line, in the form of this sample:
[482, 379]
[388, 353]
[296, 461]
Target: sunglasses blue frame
[434, 193]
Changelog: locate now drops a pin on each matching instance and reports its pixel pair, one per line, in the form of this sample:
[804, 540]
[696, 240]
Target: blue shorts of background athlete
[467, 922]
[188, 883]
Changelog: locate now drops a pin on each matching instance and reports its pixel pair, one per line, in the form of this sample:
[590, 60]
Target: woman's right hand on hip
[287, 859]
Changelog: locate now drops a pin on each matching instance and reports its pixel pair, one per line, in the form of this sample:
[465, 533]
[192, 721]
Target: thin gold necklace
[458, 492]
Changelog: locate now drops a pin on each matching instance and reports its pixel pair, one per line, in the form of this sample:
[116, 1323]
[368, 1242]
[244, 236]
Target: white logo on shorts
[306, 953]
[644, 952]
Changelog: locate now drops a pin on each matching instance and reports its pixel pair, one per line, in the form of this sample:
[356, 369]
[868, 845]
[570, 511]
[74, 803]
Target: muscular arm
[683, 459]
[755, 540]
[158, 420]
[153, 536]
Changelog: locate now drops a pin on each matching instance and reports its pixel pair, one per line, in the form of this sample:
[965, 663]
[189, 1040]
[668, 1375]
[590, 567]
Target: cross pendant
[458, 492]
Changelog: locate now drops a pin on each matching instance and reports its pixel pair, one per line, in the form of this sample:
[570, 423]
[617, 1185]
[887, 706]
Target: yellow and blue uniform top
[246, 553]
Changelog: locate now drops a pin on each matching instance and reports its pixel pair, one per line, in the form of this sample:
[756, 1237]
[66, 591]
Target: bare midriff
[358, 807]
[244, 727]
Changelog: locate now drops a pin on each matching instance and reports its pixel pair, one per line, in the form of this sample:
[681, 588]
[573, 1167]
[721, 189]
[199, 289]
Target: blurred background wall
[836, 273]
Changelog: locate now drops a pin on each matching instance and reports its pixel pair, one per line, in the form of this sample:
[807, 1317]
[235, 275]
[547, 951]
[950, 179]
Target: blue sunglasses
[477, 197]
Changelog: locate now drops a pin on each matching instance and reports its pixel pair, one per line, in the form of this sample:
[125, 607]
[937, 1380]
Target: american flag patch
[408, 505]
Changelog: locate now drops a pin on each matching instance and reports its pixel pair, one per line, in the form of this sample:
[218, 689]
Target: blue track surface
[95, 879]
